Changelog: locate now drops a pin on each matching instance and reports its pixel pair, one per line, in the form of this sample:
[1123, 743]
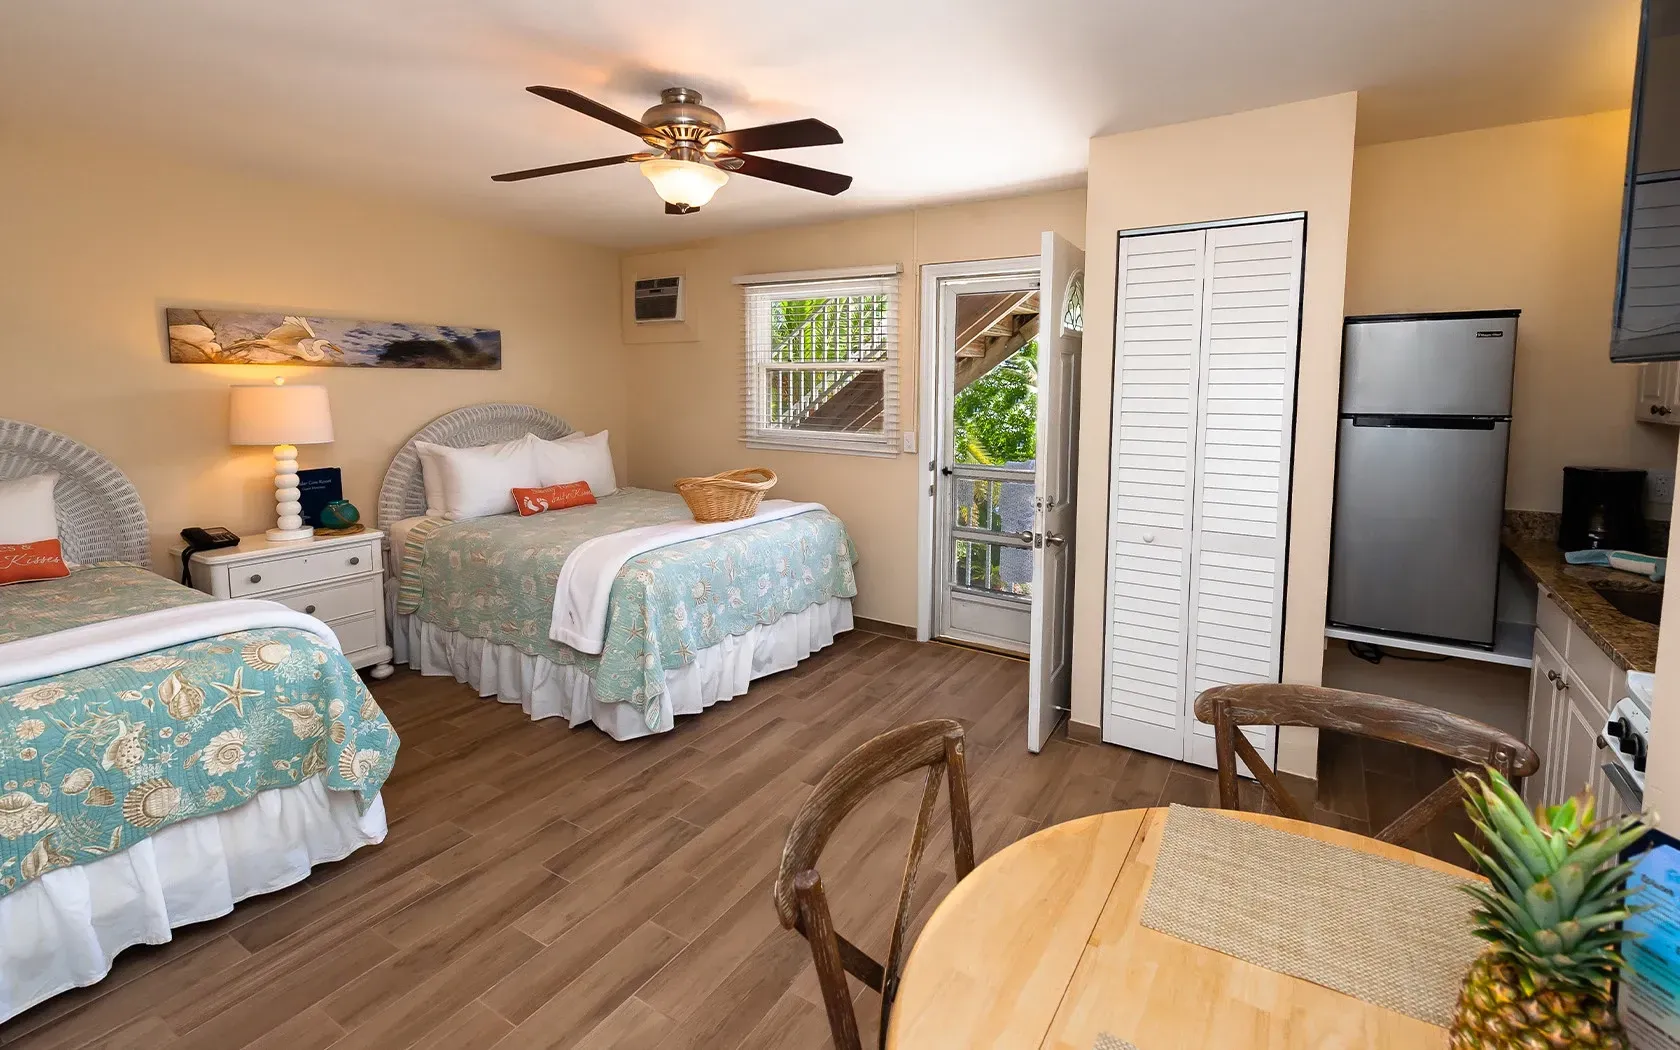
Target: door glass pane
[992, 567]
[992, 504]
[995, 417]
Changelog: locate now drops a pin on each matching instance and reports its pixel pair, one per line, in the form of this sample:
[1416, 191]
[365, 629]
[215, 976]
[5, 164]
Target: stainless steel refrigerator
[1420, 473]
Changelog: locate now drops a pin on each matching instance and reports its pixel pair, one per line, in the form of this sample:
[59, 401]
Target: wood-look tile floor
[548, 887]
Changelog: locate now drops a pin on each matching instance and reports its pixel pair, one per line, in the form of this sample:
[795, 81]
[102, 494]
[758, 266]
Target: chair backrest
[1465, 740]
[801, 901]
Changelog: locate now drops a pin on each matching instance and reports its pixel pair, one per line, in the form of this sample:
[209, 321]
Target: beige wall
[96, 240]
[1662, 767]
[1523, 216]
[1288, 158]
[685, 417]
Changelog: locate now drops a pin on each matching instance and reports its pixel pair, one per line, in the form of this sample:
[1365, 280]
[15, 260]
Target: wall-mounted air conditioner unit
[659, 299]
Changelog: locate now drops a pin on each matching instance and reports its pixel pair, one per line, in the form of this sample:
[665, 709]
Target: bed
[687, 626]
[179, 754]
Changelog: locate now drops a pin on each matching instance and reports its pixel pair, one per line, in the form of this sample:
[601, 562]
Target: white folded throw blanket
[98, 643]
[582, 593]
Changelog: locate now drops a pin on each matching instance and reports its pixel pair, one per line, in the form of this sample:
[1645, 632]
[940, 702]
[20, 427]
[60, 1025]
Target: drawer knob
[310, 609]
[1149, 537]
[256, 577]
[355, 561]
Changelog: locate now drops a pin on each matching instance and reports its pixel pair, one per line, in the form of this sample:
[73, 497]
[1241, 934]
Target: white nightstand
[337, 579]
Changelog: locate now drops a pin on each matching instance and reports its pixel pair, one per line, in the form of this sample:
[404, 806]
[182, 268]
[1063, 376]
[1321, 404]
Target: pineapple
[1549, 916]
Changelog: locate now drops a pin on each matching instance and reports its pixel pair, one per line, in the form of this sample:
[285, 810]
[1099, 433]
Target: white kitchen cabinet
[1572, 687]
[1545, 703]
[1207, 336]
[1659, 393]
[1577, 752]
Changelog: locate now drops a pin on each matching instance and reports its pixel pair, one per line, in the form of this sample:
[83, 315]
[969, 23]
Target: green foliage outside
[996, 416]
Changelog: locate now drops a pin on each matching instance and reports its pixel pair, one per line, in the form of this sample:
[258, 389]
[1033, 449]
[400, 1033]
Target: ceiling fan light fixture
[684, 183]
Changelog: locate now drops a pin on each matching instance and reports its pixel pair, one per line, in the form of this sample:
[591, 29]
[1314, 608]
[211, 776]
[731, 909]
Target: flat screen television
[1647, 314]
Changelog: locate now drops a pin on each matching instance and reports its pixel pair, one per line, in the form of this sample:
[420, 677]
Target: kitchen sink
[1641, 605]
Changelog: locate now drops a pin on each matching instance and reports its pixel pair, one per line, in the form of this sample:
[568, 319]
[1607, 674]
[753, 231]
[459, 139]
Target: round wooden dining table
[1041, 947]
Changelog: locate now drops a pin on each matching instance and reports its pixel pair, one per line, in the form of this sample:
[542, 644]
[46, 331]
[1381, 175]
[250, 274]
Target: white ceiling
[938, 99]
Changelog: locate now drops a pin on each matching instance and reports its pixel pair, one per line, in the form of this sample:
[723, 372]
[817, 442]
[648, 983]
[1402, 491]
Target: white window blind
[822, 363]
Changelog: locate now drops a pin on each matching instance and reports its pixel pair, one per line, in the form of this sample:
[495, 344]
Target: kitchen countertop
[1631, 643]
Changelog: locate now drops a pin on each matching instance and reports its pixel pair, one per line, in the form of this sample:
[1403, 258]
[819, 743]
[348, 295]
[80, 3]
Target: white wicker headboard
[403, 494]
[100, 517]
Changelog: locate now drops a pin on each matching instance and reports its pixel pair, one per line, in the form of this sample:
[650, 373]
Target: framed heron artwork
[236, 337]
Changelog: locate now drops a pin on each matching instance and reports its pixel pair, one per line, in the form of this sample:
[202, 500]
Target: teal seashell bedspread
[494, 578]
[95, 760]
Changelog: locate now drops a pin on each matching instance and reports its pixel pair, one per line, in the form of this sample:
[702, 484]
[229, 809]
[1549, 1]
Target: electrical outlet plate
[1659, 494]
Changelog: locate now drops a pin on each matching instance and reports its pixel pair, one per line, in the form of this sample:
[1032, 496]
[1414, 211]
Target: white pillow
[26, 509]
[576, 457]
[431, 475]
[29, 547]
[434, 473]
[479, 482]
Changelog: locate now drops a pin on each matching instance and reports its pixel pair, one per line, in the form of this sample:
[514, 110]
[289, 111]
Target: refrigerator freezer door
[1457, 366]
[1415, 546]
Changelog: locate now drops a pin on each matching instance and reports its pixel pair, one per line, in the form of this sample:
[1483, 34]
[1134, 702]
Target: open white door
[1061, 297]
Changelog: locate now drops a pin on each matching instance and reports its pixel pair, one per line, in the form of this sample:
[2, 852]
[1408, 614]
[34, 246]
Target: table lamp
[285, 417]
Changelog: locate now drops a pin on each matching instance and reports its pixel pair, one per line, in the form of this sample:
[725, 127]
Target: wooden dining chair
[1229, 707]
[801, 901]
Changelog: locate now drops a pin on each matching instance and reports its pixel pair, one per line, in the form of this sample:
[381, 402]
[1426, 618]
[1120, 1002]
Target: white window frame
[804, 284]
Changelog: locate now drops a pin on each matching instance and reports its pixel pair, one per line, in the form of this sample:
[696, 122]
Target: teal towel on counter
[1627, 561]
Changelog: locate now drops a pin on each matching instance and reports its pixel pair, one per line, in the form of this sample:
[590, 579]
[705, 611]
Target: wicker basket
[729, 496]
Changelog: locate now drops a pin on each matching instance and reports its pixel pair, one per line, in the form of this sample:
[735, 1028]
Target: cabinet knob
[355, 561]
[1660, 410]
[309, 609]
[256, 577]
[1149, 537]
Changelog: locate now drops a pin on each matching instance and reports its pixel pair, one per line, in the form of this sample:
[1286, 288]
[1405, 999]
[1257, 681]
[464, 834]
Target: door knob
[1025, 535]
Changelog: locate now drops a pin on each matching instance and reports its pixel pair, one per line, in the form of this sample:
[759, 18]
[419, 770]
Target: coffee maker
[1603, 509]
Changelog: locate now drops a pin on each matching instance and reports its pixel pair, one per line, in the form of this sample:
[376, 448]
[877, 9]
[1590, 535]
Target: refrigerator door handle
[1427, 422]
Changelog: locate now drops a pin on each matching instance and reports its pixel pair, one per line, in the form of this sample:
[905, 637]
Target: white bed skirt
[63, 929]
[547, 690]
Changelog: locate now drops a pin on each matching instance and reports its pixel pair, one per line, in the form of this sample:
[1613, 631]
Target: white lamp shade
[279, 415]
[684, 181]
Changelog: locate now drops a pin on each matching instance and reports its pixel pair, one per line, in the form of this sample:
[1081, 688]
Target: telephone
[213, 538]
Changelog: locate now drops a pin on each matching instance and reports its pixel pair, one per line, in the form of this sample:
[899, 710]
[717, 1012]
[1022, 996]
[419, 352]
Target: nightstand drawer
[357, 634]
[277, 574]
[335, 601]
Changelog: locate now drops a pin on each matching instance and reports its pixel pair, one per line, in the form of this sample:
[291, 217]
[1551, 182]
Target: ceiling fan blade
[590, 108]
[679, 209]
[793, 174]
[580, 165]
[790, 134]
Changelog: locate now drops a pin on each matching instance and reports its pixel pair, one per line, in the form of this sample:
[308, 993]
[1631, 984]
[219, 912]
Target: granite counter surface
[1631, 643]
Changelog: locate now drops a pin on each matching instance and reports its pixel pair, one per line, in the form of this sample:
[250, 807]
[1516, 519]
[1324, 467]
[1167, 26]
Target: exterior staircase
[990, 327]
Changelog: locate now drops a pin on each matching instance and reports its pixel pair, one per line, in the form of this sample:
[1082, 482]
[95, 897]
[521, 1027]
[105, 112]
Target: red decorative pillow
[554, 497]
[41, 560]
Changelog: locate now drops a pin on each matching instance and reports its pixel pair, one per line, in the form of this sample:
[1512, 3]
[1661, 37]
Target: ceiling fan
[692, 153]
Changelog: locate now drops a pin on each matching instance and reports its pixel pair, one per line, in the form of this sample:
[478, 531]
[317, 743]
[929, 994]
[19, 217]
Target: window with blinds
[822, 362]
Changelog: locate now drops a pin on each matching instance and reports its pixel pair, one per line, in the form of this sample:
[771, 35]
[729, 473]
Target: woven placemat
[1380, 930]
[1111, 1042]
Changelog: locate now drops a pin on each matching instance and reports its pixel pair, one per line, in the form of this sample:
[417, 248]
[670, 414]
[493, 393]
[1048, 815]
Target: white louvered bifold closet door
[1158, 325]
[1252, 302]
[1207, 334]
